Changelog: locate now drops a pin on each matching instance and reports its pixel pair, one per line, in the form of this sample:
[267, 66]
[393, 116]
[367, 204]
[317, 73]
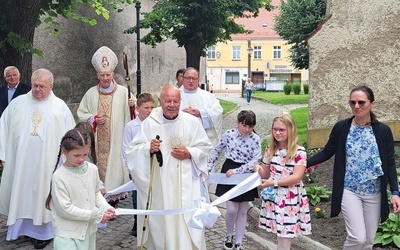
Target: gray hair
[43, 72]
[10, 68]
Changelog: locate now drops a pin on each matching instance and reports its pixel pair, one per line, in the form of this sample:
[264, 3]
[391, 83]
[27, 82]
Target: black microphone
[159, 154]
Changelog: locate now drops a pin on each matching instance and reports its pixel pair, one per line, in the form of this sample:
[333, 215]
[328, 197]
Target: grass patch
[300, 116]
[227, 106]
[280, 97]
[264, 145]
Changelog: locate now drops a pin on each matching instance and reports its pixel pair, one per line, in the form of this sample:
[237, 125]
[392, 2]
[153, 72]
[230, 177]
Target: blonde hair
[292, 138]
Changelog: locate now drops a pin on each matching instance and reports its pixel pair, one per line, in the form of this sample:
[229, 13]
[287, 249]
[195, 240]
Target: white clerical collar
[189, 91]
[109, 89]
[165, 120]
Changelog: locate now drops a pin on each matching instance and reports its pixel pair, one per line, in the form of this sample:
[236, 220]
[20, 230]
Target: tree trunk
[193, 54]
[21, 17]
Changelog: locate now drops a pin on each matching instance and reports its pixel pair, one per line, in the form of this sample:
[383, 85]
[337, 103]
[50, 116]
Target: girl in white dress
[284, 209]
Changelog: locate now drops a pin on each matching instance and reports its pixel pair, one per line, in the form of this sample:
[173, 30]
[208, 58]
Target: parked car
[259, 86]
[274, 86]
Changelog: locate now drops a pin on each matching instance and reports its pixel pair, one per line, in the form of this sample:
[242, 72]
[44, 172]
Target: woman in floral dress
[284, 209]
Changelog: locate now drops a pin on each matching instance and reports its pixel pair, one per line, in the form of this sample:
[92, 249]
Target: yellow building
[263, 53]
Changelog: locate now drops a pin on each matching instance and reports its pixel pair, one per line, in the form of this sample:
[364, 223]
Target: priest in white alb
[201, 104]
[31, 129]
[184, 146]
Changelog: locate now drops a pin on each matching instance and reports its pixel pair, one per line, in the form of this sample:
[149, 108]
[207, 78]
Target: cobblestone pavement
[116, 236]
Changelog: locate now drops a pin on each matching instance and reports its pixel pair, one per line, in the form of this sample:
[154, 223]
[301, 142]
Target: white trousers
[361, 215]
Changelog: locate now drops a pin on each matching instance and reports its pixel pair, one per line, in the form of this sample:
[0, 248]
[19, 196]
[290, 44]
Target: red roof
[258, 23]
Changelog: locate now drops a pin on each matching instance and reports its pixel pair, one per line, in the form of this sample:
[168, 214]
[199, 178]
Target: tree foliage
[19, 18]
[296, 20]
[50, 10]
[197, 24]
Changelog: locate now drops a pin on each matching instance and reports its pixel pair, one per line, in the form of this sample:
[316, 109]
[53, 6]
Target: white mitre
[104, 60]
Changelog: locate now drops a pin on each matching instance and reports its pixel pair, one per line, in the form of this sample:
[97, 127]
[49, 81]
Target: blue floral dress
[286, 212]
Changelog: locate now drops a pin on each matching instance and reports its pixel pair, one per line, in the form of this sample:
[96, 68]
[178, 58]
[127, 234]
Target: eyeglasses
[190, 79]
[360, 103]
[280, 130]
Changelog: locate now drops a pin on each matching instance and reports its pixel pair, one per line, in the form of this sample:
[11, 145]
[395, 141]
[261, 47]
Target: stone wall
[69, 54]
[358, 45]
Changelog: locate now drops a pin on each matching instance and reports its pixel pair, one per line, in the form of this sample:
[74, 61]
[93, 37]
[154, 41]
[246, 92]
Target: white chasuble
[30, 136]
[210, 109]
[176, 184]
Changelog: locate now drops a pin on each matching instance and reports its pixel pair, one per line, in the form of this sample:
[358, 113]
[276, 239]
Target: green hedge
[296, 88]
[287, 88]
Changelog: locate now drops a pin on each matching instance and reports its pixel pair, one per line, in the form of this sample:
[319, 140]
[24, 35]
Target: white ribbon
[129, 186]
[220, 178]
[246, 185]
[204, 214]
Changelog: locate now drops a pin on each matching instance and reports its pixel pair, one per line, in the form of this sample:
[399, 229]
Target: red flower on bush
[311, 168]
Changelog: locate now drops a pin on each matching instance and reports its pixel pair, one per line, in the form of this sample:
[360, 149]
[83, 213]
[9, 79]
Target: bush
[287, 88]
[317, 193]
[296, 88]
[389, 231]
[305, 87]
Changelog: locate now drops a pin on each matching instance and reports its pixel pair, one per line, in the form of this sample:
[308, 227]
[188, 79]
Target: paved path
[116, 236]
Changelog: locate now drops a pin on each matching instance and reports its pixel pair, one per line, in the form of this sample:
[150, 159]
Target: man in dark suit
[13, 88]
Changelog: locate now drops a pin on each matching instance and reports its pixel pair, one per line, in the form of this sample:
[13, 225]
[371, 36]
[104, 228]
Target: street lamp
[249, 53]
[138, 71]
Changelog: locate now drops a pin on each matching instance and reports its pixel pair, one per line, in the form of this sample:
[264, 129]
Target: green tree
[19, 18]
[296, 20]
[197, 24]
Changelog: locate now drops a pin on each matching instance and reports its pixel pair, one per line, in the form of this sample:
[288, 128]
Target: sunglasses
[360, 103]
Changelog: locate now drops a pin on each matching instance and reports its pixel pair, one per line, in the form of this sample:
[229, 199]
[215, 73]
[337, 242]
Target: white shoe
[228, 242]
[239, 246]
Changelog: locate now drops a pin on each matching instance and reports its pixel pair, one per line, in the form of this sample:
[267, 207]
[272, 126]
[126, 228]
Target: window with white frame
[236, 53]
[211, 52]
[277, 52]
[257, 52]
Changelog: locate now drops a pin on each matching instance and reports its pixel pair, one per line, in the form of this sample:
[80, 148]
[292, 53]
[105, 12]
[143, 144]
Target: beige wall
[217, 68]
[358, 45]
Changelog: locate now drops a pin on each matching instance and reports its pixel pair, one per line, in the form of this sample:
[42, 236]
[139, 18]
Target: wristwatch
[276, 183]
[395, 193]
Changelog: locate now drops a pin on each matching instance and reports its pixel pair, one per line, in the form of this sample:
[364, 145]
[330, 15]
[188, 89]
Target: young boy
[145, 104]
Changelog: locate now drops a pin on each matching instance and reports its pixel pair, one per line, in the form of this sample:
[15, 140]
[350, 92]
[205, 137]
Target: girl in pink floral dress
[284, 209]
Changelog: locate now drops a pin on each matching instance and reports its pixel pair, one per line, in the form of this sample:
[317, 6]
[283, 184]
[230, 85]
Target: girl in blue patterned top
[284, 209]
[242, 151]
[364, 165]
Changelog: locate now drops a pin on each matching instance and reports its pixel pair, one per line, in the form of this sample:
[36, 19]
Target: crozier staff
[106, 107]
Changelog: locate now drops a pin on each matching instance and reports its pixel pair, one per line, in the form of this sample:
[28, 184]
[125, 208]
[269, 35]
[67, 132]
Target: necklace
[366, 124]
[282, 152]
